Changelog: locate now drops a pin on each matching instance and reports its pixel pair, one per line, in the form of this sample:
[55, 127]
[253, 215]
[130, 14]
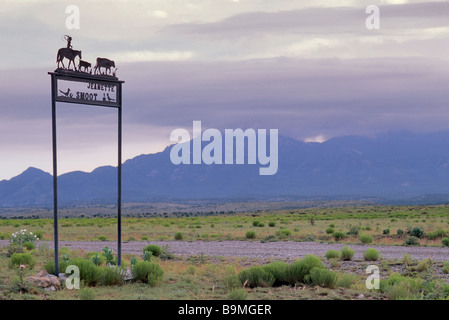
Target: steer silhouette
[104, 63]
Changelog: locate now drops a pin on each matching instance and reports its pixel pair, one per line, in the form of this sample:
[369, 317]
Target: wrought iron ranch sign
[79, 83]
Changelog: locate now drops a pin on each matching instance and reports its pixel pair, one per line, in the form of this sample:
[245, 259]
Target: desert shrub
[322, 277]
[271, 224]
[386, 231]
[86, 294]
[89, 272]
[411, 241]
[231, 281]
[238, 294]
[283, 233]
[338, 235]
[298, 270]
[353, 230]
[145, 238]
[436, 234]
[365, 238]
[29, 246]
[250, 234]
[347, 253]
[261, 225]
[256, 277]
[148, 272]
[417, 232]
[445, 242]
[400, 232]
[18, 259]
[50, 266]
[179, 236]
[256, 223]
[332, 225]
[102, 238]
[399, 287]
[371, 255]
[422, 266]
[445, 269]
[155, 275]
[346, 280]
[113, 276]
[407, 260]
[332, 254]
[330, 230]
[279, 271]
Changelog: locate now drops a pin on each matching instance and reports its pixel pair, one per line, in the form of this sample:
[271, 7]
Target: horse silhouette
[69, 54]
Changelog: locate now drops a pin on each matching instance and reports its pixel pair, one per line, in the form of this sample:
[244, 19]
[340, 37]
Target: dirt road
[286, 250]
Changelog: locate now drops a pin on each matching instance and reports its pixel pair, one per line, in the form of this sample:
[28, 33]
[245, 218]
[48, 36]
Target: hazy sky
[308, 68]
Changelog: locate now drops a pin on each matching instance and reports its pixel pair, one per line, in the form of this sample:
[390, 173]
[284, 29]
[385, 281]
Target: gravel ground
[285, 250]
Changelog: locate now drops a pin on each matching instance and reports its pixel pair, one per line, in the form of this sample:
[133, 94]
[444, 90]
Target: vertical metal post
[55, 174]
[119, 185]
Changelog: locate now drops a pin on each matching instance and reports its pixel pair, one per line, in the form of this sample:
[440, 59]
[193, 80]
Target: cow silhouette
[104, 63]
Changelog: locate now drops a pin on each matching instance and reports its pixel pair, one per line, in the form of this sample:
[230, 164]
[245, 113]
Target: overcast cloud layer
[308, 68]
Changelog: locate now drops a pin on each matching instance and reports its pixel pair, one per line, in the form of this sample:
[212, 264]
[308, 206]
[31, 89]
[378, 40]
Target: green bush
[50, 266]
[332, 254]
[338, 235]
[279, 271]
[238, 294]
[436, 234]
[178, 236]
[386, 231]
[322, 277]
[445, 242]
[256, 223]
[102, 238]
[417, 232]
[445, 269]
[365, 238]
[113, 276]
[398, 287]
[298, 270]
[283, 233]
[371, 255]
[250, 234]
[271, 224]
[346, 280]
[353, 230]
[155, 275]
[89, 272]
[256, 277]
[330, 230]
[18, 259]
[29, 246]
[411, 241]
[86, 294]
[422, 266]
[147, 272]
[154, 249]
[400, 232]
[347, 253]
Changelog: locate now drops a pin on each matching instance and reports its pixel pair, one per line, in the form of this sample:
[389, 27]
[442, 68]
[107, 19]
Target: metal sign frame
[105, 80]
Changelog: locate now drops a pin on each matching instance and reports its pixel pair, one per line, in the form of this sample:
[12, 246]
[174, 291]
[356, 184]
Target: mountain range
[394, 166]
